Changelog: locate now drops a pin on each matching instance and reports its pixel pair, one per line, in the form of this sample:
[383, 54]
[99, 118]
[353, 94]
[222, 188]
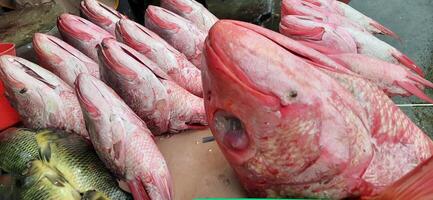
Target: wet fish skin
[42, 182]
[391, 78]
[41, 98]
[187, 110]
[67, 153]
[62, 59]
[100, 14]
[135, 79]
[81, 34]
[178, 32]
[123, 141]
[170, 60]
[79, 164]
[193, 11]
[272, 132]
[17, 148]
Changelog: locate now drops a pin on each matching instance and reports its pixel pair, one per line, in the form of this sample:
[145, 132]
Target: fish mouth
[110, 49]
[180, 5]
[89, 13]
[230, 130]
[156, 14]
[73, 26]
[40, 38]
[23, 65]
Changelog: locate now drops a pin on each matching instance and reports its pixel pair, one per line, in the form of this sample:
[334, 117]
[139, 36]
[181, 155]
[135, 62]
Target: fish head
[27, 84]
[137, 80]
[114, 52]
[324, 37]
[183, 6]
[267, 108]
[139, 37]
[71, 26]
[164, 19]
[106, 117]
[56, 55]
[100, 14]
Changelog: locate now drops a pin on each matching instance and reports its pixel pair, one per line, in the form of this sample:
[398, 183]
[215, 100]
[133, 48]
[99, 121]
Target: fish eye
[231, 130]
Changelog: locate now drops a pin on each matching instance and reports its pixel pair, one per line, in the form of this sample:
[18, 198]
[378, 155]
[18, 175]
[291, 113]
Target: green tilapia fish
[67, 154]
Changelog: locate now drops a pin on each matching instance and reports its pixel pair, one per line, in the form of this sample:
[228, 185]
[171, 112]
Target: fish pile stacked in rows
[145, 83]
[303, 114]
[306, 113]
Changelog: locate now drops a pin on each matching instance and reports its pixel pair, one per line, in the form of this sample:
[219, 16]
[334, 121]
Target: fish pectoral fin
[138, 189]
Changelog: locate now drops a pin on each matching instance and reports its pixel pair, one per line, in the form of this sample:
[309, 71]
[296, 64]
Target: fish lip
[65, 23]
[13, 60]
[40, 38]
[179, 5]
[153, 13]
[90, 14]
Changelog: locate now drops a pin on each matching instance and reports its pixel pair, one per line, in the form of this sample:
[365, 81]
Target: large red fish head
[273, 114]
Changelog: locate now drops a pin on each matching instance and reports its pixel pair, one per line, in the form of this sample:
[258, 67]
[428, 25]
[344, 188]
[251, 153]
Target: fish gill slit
[35, 75]
[141, 62]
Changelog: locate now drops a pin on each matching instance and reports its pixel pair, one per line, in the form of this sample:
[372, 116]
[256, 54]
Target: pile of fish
[305, 113]
[115, 94]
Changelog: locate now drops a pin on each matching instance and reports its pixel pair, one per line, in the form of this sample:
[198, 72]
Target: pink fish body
[100, 14]
[326, 38]
[123, 141]
[391, 78]
[81, 34]
[165, 106]
[193, 11]
[335, 10]
[177, 31]
[187, 110]
[302, 8]
[338, 36]
[41, 98]
[62, 59]
[171, 61]
[134, 80]
[293, 128]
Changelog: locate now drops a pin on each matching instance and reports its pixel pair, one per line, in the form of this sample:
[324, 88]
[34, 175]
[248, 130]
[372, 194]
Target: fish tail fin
[410, 87]
[406, 61]
[415, 185]
[385, 30]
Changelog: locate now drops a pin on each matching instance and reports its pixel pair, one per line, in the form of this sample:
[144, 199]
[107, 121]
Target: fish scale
[393, 134]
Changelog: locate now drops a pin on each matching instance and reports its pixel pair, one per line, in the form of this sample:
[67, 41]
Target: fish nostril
[293, 94]
[231, 130]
